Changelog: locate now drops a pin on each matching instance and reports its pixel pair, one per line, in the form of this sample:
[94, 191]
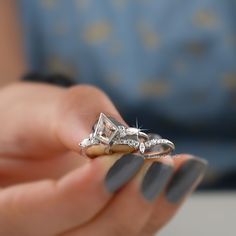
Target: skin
[46, 186]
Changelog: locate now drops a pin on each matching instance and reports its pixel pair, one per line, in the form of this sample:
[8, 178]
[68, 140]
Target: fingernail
[184, 179]
[155, 180]
[122, 171]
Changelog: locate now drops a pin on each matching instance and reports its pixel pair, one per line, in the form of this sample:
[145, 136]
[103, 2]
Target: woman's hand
[47, 188]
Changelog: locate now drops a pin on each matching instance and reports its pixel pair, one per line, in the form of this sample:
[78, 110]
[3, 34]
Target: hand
[47, 188]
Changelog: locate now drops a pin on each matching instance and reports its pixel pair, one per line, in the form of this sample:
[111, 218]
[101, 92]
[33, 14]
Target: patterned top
[171, 63]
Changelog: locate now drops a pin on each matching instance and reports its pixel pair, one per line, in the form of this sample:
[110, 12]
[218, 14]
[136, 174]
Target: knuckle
[83, 97]
[85, 91]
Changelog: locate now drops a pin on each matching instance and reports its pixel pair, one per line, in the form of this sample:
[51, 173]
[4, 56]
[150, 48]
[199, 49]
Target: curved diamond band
[143, 146]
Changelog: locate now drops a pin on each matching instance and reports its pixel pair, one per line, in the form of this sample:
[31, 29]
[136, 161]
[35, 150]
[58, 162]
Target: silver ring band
[109, 132]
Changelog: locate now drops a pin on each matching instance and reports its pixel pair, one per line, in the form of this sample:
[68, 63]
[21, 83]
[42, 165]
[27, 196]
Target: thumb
[38, 119]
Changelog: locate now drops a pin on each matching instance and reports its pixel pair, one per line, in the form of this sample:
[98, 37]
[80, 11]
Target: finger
[189, 171]
[20, 170]
[81, 108]
[130, 210]
[48, 117]
[49, 207]
[57, 206]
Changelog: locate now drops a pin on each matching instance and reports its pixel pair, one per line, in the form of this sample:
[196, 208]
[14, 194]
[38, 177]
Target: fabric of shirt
[170, 63]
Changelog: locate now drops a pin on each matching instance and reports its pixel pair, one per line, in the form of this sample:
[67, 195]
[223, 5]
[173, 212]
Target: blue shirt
[170, 63]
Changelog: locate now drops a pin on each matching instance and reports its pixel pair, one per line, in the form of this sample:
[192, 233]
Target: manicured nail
[122, 171]
[184, 179]
[155, 180]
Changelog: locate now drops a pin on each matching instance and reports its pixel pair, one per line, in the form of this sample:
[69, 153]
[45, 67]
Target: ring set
[111, 133]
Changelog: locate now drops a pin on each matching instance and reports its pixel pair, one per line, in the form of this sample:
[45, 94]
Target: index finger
[50, 120]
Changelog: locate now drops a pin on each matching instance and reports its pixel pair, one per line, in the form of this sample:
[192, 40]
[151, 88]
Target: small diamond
[130, 142]
[122, 131]
[85, 143]
[148, 144]
[142, 147]
[94, 141]
[153, 142]
[136, 144]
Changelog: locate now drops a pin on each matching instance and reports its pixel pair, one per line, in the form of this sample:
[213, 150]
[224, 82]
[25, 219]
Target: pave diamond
[122, 131]
[125, 141]
[148, 144]
[153, 142]
[105, 129]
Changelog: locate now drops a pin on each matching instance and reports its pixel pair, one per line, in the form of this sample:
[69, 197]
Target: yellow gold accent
[97, 32]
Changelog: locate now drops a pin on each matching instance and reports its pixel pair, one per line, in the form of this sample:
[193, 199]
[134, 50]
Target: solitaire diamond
[105, 129]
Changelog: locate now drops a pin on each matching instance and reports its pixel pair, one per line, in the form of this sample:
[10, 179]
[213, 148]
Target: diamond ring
[110, 133]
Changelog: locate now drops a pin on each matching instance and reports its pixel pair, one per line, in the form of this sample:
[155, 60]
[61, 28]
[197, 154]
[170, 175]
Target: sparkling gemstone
[105, 129]
[136, 144]
[93, 141]
[142, 147]
[153, 142]
[130, 142]
[122, 131]
[125, 141]
[85, 143]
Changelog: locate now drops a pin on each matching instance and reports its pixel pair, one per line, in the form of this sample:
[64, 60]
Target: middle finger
[130, 209]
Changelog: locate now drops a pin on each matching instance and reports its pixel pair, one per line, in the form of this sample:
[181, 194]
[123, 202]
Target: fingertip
[189, 171]
[179, 159]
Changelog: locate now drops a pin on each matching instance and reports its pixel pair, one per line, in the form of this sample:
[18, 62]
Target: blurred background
[170, 64]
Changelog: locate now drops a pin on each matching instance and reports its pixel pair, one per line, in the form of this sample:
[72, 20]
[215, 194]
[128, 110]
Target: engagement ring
[110, 133]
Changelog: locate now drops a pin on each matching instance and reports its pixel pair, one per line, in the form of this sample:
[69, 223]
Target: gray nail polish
[184, 179]
[155, 180]
[122, 171]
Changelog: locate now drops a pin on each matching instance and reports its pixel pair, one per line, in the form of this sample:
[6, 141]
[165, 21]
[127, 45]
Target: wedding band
[158, 148]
